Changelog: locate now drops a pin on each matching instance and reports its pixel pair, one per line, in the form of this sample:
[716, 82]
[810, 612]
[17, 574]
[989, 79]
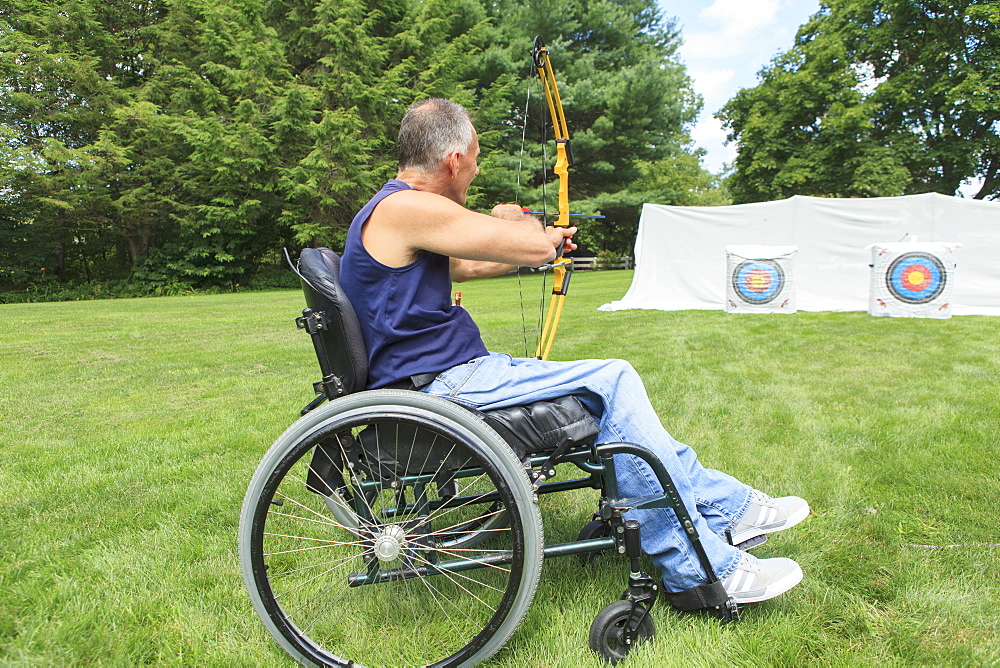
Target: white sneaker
[760, 579]
[766, 515]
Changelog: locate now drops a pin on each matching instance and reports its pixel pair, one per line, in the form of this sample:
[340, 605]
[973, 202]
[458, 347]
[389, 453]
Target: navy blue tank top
[407, 319]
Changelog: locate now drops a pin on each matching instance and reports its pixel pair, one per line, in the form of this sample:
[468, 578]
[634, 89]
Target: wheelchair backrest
[339, 336]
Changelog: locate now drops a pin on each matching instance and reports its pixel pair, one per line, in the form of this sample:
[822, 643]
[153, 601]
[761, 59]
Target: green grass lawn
[129, 430]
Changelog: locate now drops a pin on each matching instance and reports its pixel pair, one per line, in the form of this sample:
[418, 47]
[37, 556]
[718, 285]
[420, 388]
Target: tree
[359, 64]
[55, 94]
[876, 98]
[181, 142]
[207, 151]
[628, 103]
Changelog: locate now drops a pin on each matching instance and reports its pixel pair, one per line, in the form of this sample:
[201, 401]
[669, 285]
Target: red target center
[916, 277]
[757, 280]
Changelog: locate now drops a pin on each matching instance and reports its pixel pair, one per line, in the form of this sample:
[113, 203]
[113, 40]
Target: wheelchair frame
[380, 521]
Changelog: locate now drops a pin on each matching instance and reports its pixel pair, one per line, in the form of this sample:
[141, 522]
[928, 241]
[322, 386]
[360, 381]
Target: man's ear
[451, 163]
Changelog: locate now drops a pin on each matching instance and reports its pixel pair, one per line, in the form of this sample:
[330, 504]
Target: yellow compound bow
[561, 266]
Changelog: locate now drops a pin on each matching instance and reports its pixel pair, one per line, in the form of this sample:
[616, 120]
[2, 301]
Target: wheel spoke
[369, 506]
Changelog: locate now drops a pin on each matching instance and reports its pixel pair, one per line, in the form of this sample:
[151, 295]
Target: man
[403, 250]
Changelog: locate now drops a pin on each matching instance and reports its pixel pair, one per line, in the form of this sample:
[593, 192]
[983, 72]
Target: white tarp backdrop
[680, 251]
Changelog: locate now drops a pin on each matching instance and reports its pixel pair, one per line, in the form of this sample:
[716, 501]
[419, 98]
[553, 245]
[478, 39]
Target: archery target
[916, 278]
[760, 279]
[911, 280]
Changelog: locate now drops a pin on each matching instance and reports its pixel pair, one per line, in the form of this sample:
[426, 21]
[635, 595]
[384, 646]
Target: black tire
[606, 630]
[591, 530]
[344, 570]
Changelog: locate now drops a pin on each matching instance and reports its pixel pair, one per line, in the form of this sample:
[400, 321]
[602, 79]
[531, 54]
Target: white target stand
[760, 279]
[912, 280]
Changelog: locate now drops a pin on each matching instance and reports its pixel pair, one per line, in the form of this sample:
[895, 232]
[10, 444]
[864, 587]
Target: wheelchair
[411, 518]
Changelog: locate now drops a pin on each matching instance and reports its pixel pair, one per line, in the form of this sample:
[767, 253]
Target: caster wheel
[591, 530]
[607, 636]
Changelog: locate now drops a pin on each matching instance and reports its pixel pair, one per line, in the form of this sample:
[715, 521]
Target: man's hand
[511, 212]
[558, 234]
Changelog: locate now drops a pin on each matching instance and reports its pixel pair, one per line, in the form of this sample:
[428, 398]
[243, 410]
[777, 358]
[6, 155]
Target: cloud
[714, 84]
[708, 132]
[742, 16]
[726, 42]
[737, 24]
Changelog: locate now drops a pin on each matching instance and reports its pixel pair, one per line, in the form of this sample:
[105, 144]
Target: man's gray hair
[430, 130]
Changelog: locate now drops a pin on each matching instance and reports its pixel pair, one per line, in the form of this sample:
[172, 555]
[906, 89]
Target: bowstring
[517, 200]
[524, 132]
[545, 217]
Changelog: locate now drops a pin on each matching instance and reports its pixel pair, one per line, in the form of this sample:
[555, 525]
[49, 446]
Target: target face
[758, 281]
[916, 278]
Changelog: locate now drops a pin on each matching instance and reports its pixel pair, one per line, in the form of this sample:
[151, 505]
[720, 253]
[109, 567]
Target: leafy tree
[876, 98]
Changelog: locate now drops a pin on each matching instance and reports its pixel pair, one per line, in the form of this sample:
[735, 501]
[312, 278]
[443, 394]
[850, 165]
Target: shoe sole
[776, 588]
[748, 535]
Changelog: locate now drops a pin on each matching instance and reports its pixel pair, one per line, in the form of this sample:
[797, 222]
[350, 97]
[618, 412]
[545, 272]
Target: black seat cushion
[544, 426]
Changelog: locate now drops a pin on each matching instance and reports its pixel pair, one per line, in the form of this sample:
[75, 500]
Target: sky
[726, 42]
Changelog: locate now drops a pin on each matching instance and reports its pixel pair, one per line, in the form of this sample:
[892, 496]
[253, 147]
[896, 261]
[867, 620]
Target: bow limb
[561, 266]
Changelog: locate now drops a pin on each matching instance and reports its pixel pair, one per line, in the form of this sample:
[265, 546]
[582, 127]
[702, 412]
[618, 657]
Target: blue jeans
[612, 390]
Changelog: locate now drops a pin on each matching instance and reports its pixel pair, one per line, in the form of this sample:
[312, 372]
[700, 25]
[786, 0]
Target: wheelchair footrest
[753, 542]
[706, 596]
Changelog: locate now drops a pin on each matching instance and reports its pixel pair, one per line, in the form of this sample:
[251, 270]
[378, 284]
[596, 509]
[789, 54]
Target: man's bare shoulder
[405, 223]
[408, 202]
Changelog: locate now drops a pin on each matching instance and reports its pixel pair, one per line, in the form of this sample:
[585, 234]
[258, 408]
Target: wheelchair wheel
[591, 530]
[607, 632]
[390, 528]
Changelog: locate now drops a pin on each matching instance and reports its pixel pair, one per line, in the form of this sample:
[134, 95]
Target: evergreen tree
[628, 103]
[182, 142]
[359, 65]
[57, 68]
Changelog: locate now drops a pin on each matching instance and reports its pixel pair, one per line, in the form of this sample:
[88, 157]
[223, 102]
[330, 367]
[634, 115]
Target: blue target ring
[757, 281]
[916, 278]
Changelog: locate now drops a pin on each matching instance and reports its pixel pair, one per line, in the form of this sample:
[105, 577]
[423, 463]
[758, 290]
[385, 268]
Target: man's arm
[466, 270]
[411, 221]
